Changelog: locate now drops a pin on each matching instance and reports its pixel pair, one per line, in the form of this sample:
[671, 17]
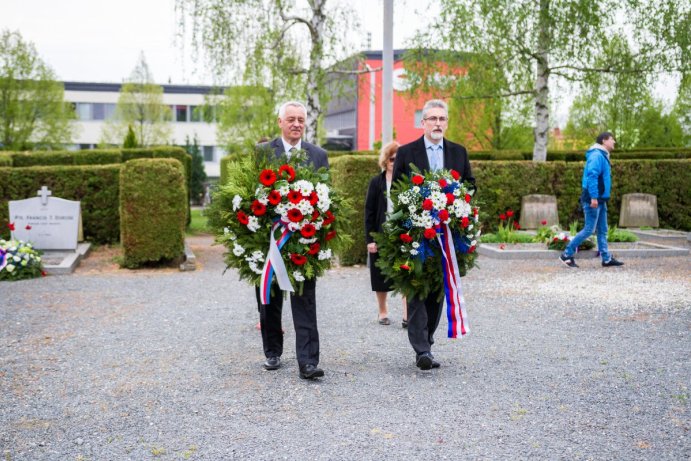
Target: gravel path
[109, 364]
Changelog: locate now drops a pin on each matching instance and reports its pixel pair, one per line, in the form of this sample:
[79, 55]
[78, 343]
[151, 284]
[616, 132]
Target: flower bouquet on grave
[430, 240]
[279, 219]
[19, 260]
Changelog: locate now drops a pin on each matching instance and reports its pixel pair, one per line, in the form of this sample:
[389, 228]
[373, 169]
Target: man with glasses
[431, 152]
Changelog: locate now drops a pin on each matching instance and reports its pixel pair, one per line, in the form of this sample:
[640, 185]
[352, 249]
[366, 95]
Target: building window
[208, 153]
[195, 113]
[84, 111]
[180, 113]
[99, 111]
[109, 110]
[418, 119]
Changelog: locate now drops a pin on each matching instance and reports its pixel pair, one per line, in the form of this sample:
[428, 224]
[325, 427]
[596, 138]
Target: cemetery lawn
[198, 223]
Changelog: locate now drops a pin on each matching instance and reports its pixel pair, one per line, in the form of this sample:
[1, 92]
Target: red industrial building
[353, 120]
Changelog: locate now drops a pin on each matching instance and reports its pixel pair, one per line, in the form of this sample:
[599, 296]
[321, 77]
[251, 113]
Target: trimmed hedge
[351, 176]
[78, 157]
[95, 186]
[502, 184]
[579, 155]
[153, 195]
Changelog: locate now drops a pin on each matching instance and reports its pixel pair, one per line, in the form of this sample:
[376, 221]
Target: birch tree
[538, 45]
[33, 113]
[140, 106]
[286, 47]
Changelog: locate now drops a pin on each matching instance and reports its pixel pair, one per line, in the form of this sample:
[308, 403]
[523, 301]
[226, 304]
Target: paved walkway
[110, 364]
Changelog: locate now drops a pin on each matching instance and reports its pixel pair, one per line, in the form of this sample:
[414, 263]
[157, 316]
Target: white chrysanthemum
[237, 200]
[318, 224]
[324, 254]
[305, 187]
[322, 190]
[283, 190]
[238, 250]
[478, 234]
[438, 200]
[305, 241]
[412, 209]
[293, 227]
[416, 245]
[473, 243]
[324, 205]
[403, 249]
[413, 252]
[470, 227]
[297, 275]
[416, 189]
[254, 267]
[253, 224]
[305, 207]
[16, 258]
[9, 268]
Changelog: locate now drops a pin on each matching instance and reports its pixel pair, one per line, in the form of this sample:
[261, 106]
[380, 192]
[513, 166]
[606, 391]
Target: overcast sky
[100, 40]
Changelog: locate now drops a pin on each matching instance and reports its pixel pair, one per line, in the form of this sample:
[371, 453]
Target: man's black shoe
[612, 263]
[568, 260]
[435, 364]
[272, 363]
[425, 361]
[310, 371]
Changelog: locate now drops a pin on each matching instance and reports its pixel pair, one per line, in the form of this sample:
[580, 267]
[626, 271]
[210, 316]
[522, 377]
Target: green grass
[197, 224]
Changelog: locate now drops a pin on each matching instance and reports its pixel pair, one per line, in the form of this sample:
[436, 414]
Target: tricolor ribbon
[455, 302]
[274, 263]
[3, 259]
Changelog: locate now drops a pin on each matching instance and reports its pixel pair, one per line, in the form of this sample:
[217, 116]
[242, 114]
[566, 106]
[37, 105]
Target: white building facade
[95, 102]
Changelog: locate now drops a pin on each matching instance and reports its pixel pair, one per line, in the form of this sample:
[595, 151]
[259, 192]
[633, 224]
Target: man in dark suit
[291, 120]
[431, 152]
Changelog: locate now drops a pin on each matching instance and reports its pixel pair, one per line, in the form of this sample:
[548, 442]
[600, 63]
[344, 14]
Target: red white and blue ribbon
[455, 302]
[274, 264]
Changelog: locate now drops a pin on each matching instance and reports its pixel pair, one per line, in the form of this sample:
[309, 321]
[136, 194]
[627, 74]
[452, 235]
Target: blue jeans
[595, 220]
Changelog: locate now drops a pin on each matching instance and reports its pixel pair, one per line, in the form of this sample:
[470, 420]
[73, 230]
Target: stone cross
[44, 193]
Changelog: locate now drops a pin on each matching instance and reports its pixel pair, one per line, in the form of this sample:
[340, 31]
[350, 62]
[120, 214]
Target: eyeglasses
[392, 159]
[434, 119]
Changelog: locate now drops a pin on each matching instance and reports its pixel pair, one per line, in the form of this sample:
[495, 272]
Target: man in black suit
[431, 152]
[291, 120]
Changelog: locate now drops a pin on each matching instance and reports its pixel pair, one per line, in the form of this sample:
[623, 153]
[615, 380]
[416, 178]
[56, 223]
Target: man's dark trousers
[423, 320]
[304, 320]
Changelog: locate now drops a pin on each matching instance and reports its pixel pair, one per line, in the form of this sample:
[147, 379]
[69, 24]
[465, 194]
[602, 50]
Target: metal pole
[387, 76]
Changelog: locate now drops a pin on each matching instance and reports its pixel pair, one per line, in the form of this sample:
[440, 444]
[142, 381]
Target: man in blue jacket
[596, 183]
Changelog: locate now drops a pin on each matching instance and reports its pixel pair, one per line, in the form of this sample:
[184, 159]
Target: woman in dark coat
[377, 205]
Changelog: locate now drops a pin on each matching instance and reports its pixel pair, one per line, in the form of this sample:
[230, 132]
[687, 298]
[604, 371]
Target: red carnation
[258, 208]
[467, 198]
[443, 215]
[284, 170]
[298, 259]
[28, 227]
[417, 179]
[330, 235]
[242, 217]
[406, 238]
[455, 174]
[44, 273]
[443, 183]
[315, 215]
[429, 233]
[427, 204]
[464, 222]
[308, 230]
[543, 222]
[11, 226]
[329, 218]
[313, 198]
[314, 248]
[472, 248]
[405, 267]
[475, 211]
[274, 197]
[509, 213]
[502, 217]
[267, 177]
[516, 225]
[295, 215]
[294, 196]
[450, 198]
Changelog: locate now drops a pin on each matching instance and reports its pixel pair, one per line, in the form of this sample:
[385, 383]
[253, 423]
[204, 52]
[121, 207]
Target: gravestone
[49, 223]
[639, 210]
[538, 208]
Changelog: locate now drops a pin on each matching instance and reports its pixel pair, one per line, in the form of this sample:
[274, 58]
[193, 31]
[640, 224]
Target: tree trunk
[315, 76]
[542, 86]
